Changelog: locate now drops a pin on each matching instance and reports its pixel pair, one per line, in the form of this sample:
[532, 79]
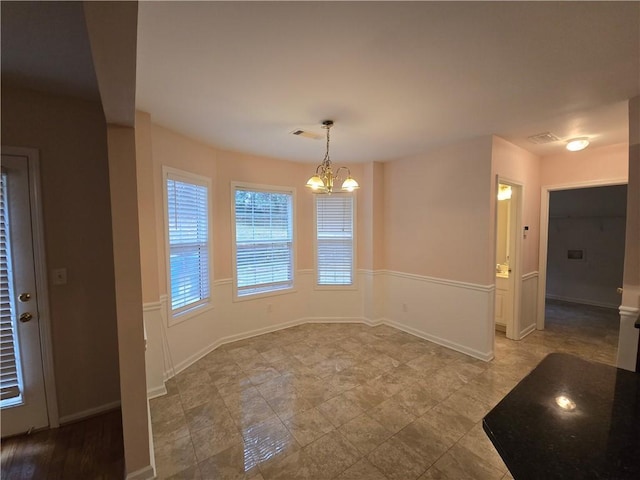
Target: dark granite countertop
[570, 419]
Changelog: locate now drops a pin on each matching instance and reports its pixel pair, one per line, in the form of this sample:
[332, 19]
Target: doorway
[586, 223]
[27, 398]
[508, 261]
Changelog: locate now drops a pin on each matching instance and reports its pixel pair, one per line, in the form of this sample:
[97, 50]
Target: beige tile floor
[349, 401]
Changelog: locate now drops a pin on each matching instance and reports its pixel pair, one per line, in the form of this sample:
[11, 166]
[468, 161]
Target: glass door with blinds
[22, 392]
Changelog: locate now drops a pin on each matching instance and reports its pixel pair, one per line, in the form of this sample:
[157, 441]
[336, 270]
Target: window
[263, 239]
[188, 240]
[334, 239]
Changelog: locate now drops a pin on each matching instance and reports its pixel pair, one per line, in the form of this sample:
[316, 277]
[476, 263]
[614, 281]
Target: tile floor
[349, 401]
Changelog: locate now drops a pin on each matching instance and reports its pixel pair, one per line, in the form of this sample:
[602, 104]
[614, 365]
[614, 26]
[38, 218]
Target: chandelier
[322, 181]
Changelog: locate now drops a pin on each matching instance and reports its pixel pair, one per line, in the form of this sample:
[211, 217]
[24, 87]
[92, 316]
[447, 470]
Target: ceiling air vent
[544, 137]
[304, 133]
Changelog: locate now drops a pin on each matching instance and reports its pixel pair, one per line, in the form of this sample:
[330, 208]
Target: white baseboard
[527, 331]
[90, 412]
[156, 392]
[366, 321]
[261, 331]
[145, 473]
[224, 340]
[582, 301]
[475, 295]
[485, 356]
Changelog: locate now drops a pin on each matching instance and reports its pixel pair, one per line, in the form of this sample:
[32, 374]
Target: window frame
[234, 253]
[174, 318]
[354, 277]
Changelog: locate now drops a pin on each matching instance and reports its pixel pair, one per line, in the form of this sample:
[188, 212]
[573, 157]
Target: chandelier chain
[327, 159]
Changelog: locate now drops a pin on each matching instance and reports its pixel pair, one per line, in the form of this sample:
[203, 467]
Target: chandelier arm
[338, 172]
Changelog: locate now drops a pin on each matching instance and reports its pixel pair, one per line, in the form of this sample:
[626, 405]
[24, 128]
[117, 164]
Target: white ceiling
[397, 78]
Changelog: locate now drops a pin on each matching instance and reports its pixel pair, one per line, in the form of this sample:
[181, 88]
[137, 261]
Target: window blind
[264, 241]
[188, 223]
[334, 237]
[9, 371]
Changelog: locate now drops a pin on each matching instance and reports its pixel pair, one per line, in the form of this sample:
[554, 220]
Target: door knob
[25, 317]
[24, 297]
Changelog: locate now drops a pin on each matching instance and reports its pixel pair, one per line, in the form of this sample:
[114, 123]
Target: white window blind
[188, 224]
[10, 380]
[334, 237]
[264, 241]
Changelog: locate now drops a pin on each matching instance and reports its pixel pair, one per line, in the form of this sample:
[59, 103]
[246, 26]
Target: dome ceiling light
[577, 144]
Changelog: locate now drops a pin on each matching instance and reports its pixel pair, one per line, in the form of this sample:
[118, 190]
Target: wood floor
[87, 450]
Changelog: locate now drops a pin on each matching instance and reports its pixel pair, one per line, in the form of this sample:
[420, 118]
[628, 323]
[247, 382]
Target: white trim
[156, 392]
[363, 320]
[582, 301]
[187, 362]
[544, 233]
[531, 328]
[145, 473]
[440, 281]
[486, 356]
[530, 275]
[152, 450]
[152, 306]
[172, 370]
[41, 278]
[631, 313]
[89, 412]
[370, 272]
[628, 340]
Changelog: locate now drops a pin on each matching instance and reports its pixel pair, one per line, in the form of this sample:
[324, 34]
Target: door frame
[44, 318]
[515, 236]
[544, 234]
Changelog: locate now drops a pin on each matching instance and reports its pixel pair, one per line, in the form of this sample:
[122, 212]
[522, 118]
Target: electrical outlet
[59, 276]
[269, 308]
[405, 307]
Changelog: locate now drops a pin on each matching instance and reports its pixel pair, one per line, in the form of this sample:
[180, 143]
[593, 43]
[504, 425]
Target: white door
[507, 251]
[23, 400]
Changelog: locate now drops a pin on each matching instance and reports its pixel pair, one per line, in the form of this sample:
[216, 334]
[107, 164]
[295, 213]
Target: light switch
[59, 276]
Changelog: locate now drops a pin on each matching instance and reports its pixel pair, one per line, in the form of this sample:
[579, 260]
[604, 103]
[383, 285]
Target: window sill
[352, 287]
[257, 296]
[188, 314]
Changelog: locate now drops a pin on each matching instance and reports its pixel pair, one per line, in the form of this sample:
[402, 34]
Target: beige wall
[437, 213]
[592, 164]
[128, 290]
[371, 217]
[146, 203]
[71, 137]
